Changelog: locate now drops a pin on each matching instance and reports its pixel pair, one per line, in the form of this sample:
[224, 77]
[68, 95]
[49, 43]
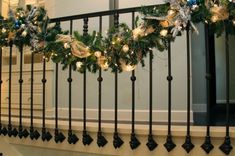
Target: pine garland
[122, 48]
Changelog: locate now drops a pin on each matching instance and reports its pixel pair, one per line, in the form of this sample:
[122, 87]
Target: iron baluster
[46, 136]
[169, 145]
[34, 134]
[22, 132]
[11, 131]
[101, 141]
[151, 144]
[226, 147]
[72, 138]
[207, 145]
[87, 139]
[134, 142]
[188, 145]
[117, 141]
[58, 136]
[0, 90]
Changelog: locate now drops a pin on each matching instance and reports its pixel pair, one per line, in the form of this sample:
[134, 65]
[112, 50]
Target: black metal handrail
[97, 14]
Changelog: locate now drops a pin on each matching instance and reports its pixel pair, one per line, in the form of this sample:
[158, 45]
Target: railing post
[188, 145]
[226, 147]
[11, 131]
[34, 134]
[207, 145]
[87, 139]
[169, 145]
[134, 142]
[72, 138]
[58, 136]
[151, 142]
[22, 133]
[117, 141]
[0, 90]
[46, 135]
[101, 140]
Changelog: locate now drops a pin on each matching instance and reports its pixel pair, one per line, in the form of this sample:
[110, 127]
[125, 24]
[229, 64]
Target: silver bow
[181, 18]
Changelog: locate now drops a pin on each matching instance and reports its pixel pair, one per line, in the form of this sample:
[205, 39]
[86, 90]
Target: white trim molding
[124, 115]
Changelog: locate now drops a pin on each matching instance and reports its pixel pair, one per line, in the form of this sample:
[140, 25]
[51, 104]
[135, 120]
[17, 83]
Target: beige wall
[221, 68]
[199, 70]
[58, 8]
[160, 66]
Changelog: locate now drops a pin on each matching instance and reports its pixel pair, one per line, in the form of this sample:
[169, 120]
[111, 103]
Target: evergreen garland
[122, 48]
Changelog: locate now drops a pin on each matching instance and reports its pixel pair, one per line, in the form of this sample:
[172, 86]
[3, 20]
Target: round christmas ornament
[17, 24]
[127, 66]
[163, 32]
[194, 2]
[125, 48]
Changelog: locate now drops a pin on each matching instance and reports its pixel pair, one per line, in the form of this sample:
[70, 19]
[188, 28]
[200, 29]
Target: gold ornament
[4, 30]
[163, 32]
[118, 39]
[125, 48]
[219, 13]
[138, 32]
[103, 62]
[234, 22]
[97, 54]
[169, 19]
[164, 23]
[79, 49]
[214, 18]
[149, 30]
[126, 66]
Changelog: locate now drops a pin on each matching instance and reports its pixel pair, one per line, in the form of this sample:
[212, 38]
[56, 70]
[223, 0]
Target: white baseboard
[124, 115]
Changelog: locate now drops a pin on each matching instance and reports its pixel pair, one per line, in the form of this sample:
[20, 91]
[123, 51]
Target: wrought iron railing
[12, 130]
